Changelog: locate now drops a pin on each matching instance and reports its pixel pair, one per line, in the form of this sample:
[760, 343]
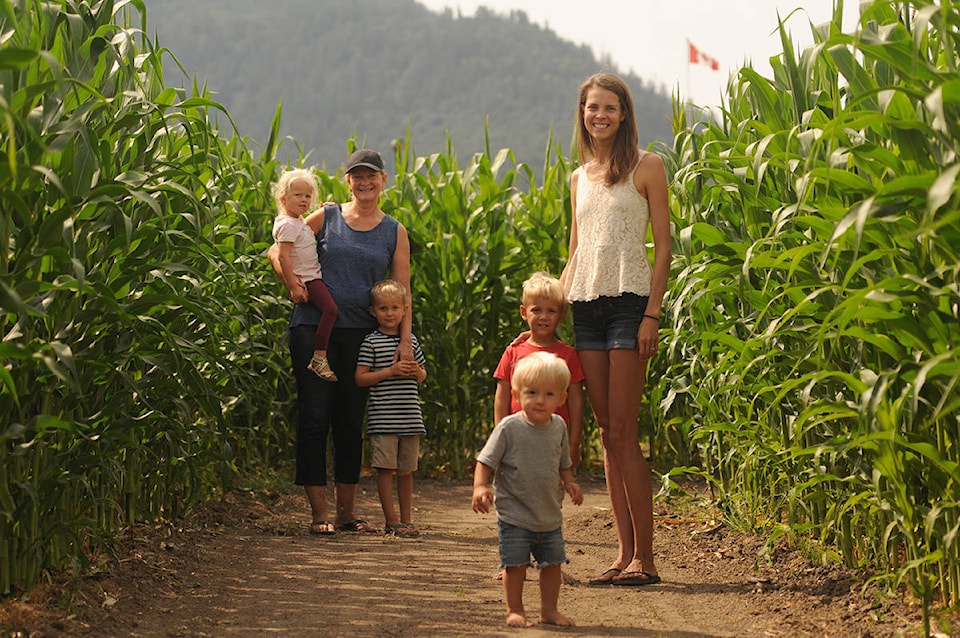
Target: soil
[245, 565]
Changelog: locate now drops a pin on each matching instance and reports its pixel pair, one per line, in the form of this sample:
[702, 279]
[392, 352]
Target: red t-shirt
[514, 353]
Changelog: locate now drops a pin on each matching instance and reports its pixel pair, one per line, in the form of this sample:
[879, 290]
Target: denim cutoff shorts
[608, 323]
[517, 543]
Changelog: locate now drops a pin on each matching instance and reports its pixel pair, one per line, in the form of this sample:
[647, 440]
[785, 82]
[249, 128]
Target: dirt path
[248, 568]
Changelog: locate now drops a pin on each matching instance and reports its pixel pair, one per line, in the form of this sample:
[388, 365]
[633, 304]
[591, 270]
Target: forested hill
[371, 68]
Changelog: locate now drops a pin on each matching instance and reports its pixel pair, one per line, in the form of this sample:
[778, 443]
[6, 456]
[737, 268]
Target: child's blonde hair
[541, 285]
[287, 178]
[388, 288]
[539, 367]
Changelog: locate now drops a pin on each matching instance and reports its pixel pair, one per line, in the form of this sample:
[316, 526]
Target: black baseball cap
[365, 157]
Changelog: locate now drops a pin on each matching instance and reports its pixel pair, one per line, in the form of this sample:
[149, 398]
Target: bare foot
[517, 620]
[637, 566]
[555, 618]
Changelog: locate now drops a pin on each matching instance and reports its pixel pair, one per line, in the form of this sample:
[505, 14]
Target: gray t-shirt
[527, 460]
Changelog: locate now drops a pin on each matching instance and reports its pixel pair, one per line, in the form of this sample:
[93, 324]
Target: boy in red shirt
[543, 308]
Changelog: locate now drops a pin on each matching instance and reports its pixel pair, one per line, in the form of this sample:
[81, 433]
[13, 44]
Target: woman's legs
[626, 460]
[615, 388]
[347, 409]
[313, 401]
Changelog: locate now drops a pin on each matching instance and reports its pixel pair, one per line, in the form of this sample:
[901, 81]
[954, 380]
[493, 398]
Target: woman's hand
[523, 336]
[648, 337]
[299, 294]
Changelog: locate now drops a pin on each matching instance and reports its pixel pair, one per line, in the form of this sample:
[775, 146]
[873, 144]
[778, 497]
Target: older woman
[358, 245]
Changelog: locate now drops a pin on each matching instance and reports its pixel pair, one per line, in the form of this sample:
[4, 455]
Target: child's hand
[576, 494]
[406, 368]
[482, 499]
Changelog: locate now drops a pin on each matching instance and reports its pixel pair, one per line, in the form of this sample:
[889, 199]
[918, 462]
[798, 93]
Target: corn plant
[815, 300]
[139, 364]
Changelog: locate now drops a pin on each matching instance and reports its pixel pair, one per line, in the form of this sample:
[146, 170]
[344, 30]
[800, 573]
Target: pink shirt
[306, 265]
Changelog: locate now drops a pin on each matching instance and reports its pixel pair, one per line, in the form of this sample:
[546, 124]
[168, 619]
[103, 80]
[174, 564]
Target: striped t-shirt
[394, 404]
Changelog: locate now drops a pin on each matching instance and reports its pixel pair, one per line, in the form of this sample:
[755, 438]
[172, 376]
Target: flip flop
[322, 528]
[603, 580]
[635, 579]
[358, 525]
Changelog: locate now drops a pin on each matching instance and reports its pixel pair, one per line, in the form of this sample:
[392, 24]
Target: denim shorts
[517, 543]
[608, 323]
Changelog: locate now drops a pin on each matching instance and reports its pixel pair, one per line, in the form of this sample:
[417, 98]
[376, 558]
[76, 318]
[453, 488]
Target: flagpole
[686, 97]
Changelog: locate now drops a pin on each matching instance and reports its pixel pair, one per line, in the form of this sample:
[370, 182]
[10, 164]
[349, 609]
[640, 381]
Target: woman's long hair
[625, 146]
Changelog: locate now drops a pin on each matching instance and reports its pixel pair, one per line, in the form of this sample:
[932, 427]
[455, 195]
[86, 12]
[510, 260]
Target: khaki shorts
[395, 452]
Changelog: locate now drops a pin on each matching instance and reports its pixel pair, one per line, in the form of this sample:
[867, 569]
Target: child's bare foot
[555, 618]
[515, 619]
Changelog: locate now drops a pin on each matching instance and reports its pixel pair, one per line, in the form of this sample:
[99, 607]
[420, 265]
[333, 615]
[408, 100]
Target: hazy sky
[649, 37]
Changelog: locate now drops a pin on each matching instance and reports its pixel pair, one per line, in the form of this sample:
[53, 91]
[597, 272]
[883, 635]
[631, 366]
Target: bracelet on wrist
[654, 317]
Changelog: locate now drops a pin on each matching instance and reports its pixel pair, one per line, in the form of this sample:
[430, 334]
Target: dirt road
[248, 567]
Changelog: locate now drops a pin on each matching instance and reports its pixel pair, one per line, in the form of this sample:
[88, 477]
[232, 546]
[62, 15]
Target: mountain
[373, 68]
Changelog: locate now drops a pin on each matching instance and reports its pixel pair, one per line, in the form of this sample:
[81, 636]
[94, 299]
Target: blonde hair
[388, 288]
[541, 285]
[540, 367]
[286, 181]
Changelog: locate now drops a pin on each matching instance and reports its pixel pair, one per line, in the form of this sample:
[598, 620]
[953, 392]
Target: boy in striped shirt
[394, 417]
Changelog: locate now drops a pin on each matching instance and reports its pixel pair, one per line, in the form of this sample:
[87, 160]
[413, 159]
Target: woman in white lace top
[618, 193]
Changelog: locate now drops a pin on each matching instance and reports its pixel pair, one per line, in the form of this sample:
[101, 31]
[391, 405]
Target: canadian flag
[699, 57]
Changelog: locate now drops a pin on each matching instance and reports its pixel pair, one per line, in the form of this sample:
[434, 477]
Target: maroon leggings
[321, 299]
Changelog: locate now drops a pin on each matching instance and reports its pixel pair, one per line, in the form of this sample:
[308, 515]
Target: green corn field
[810, 369]
[813, 360]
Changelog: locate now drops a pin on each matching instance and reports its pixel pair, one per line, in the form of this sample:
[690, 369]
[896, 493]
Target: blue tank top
[351, 262]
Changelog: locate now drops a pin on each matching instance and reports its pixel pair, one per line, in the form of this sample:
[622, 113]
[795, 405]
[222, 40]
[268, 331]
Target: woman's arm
[651, 178]
[400, 270]
[572, 246]
[273, 254]
[298, 292]
[315, 220]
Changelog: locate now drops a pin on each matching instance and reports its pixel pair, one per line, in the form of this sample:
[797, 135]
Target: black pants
[327, 408]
